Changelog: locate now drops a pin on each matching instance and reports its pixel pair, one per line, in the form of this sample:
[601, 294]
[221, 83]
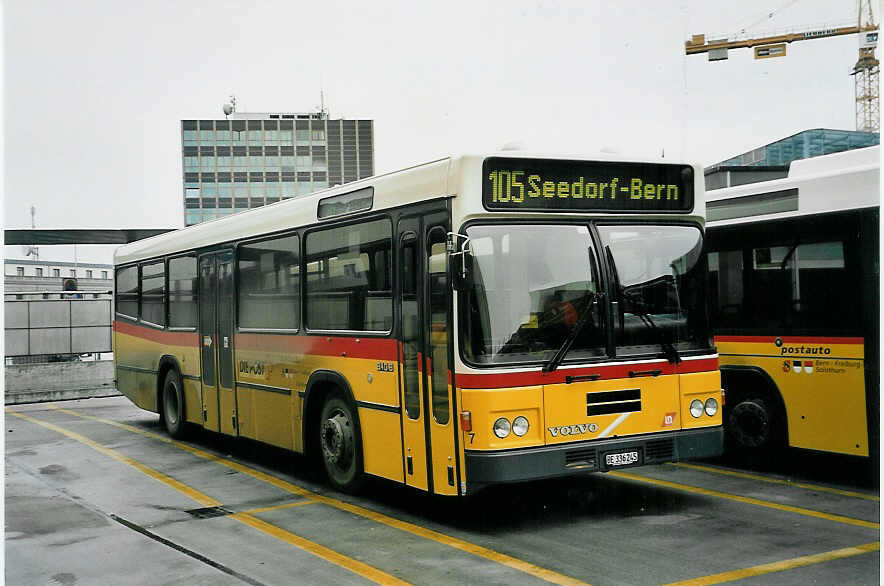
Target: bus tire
[340, 444]
[755, 424]
[173, 405]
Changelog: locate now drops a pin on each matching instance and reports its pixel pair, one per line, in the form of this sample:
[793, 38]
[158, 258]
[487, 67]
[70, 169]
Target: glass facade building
[251, 160]
[806, 144]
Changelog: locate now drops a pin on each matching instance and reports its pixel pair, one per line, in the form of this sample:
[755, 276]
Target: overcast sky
[94, 91]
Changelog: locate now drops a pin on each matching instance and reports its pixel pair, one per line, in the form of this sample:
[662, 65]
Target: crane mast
[865, 71]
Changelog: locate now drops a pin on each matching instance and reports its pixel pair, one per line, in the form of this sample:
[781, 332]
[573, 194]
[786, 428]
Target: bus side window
[726, 287]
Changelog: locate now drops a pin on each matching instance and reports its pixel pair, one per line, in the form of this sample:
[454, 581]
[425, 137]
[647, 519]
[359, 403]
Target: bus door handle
[582, 377]
[635, 373]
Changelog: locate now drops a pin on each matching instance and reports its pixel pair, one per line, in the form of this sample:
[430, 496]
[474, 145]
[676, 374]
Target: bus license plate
[621, 459]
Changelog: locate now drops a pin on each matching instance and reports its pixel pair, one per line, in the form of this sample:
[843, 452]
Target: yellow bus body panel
[825, 401]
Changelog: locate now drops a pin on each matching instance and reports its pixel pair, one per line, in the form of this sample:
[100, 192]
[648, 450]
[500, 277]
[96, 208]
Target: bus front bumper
[483, 468]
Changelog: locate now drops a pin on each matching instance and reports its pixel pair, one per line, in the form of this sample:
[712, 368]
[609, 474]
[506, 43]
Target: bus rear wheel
[173, 405]
[340, 444]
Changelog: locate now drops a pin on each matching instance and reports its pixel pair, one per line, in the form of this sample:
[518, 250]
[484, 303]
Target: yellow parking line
[155, 474]
[781, 566]
[477, 550]
[747, 500]
[278, 507]
[325, 553]
[311, 547]
[815, 487]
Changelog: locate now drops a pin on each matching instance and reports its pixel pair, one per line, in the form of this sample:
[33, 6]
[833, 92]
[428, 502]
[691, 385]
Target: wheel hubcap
[337, 440]
[750, 424]
[171, 405]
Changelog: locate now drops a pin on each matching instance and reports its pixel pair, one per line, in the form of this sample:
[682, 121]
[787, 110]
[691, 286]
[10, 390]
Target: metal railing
[57, 323]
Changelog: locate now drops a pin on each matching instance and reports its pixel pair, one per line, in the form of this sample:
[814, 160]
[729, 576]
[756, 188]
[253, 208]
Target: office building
[250, 160]
[24, 275]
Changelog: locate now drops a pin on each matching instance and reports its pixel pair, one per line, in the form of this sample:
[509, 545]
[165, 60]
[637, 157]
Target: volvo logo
[577, 429]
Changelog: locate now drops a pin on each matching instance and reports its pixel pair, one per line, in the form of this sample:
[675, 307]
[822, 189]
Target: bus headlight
[696, 408]
[520, 425]
[502, 427]
[711, 407]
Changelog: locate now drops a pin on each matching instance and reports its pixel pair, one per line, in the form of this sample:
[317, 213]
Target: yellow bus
[794, 289]
[474, 320]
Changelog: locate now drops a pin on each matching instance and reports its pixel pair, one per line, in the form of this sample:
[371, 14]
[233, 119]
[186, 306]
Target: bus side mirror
[459, 270]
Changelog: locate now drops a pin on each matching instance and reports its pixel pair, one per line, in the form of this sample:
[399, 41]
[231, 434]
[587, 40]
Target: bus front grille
[583, 457]
[659, 450]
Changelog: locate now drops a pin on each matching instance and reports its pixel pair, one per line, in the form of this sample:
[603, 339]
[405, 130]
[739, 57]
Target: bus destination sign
[556, 185]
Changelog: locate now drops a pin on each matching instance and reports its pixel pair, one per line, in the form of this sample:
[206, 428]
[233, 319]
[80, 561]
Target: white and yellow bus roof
[827, 183]
[459, 178]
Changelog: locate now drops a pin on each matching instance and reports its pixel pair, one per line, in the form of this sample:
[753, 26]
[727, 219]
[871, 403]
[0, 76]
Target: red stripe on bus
[373, 348]
[790, 339]
[155, 335]
[537, 377]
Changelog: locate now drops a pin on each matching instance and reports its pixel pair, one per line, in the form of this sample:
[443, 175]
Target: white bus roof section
[417, 183]
[446, 177]
[828, 183]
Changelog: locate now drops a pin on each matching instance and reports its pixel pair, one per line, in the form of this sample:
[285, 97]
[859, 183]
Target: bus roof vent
[346, 203]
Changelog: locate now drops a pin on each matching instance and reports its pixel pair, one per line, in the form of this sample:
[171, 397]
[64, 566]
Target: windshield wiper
[557, 358]
[670, 353]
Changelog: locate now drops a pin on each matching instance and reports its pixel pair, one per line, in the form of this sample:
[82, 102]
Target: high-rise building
[250, 160]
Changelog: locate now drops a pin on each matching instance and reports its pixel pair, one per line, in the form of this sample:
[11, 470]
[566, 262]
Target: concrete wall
[54, 381]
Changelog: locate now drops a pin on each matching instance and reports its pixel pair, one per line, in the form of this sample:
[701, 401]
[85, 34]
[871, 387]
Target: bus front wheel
[173, 405]
[340, 445]
[754, 424]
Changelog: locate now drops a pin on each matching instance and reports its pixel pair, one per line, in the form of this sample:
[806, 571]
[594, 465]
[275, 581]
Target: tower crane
[865, 71]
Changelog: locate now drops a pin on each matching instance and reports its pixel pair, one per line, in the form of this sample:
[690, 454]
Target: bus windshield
[532, 287]
[659, 286]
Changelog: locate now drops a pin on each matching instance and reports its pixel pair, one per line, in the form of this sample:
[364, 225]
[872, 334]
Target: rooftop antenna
[33, 250]
[323, 113]
[230, 107]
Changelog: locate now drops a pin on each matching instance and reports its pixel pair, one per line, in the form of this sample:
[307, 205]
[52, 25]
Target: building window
[56, 272]
[302, 137]
[20, 271]
[207, 163]
[207, 136]
[191, 164]
[38, 272]
[73, 272]
[190, 138]
[104, 274]
[303, 162]
[88, 274]
[318, 136]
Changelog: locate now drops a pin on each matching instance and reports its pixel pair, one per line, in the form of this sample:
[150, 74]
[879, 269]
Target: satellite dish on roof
[227, 109]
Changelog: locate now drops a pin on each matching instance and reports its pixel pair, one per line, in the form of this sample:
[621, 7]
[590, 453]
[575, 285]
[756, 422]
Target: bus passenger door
[216, 341]
[411, 345]
[438, 395]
